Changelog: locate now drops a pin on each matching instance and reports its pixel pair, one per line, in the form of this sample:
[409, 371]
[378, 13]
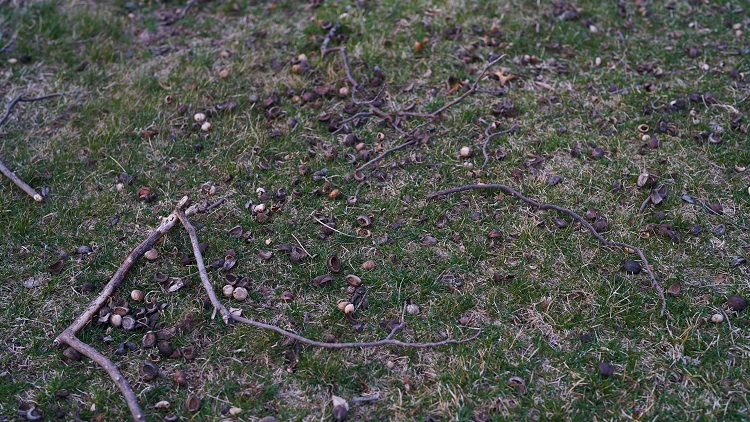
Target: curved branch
[507, 189]
[387, 342]
[122, 383]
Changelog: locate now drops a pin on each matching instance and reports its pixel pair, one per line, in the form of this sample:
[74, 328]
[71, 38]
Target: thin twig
[111, 369]
[323, 223]
[302, 247]
[9, 43]
[455, 101]
[327, 39]
[489, 136]
[378, 343]
[182, 14]
[202, 267]
[507, 189]
[3, 168]
[384, 153]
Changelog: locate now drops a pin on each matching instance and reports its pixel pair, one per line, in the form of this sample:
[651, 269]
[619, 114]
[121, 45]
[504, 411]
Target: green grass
[565, 284]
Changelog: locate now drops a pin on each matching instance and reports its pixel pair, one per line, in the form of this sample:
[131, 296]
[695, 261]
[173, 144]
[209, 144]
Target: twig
[3, 168]
[20, 183]
[333, 228]
[111, 369]
[384, 153]
[9, 43]
[202, 267]
[302, 247]
[182, 14]
[455, 101]
[22, 99]
[489, 136]
[327, 39]
[378, 343]
[507, 189]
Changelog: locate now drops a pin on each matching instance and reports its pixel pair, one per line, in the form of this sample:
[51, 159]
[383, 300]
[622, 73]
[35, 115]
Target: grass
[123, 63]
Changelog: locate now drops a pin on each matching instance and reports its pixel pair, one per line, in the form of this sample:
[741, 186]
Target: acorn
[115, 320]
[206, 126]
[223, 73]
[193, 403]
[335, 193]
[227, 290]
[128, 322]
[368, 265]
[349, 308]
[334, 264]
[353, 280]
[736, 303]
[717, 318]
[70, 354]
[199, 117]
[149, 371]
[412, 309]
[465, 152]
[240, 293]
[137, 295]
[342, 305]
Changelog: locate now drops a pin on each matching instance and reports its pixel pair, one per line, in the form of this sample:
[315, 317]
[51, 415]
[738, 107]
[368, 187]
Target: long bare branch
[507, 189]
[378, 343]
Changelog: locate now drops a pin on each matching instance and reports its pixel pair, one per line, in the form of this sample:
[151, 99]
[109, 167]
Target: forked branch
[68, 336]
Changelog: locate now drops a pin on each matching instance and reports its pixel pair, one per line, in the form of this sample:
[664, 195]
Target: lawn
[607, 104]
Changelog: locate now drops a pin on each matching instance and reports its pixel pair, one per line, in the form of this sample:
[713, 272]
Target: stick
[327, 39]
[106, 364]
[472, 90]
[119, 275]
[378, 343]
[202, 267]
[507, 189]
[20, 183]
[9, 43]
[489, 136]
[3, 168]
[386, 152]
[182, 14]
[332, 228]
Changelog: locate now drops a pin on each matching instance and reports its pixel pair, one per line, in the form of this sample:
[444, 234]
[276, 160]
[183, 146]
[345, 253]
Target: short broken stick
[3, 168]
[507, 189]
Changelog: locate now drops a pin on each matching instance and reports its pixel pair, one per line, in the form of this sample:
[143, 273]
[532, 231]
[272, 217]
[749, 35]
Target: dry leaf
[503, 76]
